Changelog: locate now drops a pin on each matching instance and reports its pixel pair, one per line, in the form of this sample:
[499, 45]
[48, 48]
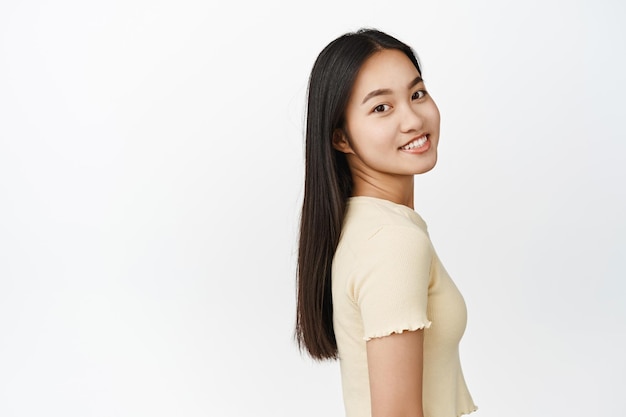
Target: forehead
[386, 69]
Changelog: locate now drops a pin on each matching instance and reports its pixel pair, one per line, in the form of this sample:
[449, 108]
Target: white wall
[150, 183]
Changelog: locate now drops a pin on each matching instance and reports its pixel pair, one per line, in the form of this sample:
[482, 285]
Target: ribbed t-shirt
[387, 278]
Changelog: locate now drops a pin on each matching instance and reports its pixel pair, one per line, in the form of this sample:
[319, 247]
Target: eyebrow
[383, 91]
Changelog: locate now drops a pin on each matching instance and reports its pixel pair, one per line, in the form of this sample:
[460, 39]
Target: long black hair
[328, 181]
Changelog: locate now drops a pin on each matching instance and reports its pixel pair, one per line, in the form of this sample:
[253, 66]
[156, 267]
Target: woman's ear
[340, 141]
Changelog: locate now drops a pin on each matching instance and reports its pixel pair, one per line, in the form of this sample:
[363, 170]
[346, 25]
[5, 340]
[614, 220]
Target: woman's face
[391, 122]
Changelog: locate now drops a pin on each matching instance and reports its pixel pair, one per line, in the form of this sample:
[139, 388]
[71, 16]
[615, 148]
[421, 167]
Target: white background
[151, 162]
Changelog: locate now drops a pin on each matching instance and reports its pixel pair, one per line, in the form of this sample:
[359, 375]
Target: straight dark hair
[328, 181]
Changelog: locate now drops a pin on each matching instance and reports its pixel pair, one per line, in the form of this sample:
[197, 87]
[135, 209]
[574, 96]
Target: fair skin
[390, 134]
[389, 109]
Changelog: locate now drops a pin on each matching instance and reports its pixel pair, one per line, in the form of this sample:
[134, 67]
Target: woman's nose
[412, 119]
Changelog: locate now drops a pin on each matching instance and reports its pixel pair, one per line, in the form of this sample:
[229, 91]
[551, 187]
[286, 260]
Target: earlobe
[340, 141]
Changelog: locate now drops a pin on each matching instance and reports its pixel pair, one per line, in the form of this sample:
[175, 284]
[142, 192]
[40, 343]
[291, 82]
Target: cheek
[433, 115]
[373, 138]
[368, 135]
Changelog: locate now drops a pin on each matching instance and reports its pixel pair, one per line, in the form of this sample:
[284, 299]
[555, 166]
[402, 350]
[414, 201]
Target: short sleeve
[391, 286]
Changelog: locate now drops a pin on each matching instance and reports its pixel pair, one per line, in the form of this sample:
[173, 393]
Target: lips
[415, 143]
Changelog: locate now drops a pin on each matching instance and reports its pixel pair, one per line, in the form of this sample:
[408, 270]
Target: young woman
[371, 289]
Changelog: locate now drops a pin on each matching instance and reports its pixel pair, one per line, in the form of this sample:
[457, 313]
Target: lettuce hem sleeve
[398, 330]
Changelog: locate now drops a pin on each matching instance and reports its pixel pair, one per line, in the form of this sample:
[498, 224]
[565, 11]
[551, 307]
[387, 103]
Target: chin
[427, 166]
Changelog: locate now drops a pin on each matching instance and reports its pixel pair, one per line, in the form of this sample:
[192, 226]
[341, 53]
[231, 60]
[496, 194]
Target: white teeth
[417, 143]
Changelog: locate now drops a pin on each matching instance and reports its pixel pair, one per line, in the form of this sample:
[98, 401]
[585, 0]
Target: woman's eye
[381, 108]
[418, 94]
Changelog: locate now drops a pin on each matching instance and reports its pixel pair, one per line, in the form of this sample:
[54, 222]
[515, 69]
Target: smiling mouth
[416, 143]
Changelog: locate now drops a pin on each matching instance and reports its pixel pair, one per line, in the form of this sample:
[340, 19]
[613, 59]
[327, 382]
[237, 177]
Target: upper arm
[391, 284]
[392, 295]
[395, 364]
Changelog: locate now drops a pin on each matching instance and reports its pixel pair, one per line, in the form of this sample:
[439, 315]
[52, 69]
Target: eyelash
[380, 108]
[415, 96]
[422, 94]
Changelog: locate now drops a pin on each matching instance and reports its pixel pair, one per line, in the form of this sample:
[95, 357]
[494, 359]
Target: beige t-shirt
[387, 278]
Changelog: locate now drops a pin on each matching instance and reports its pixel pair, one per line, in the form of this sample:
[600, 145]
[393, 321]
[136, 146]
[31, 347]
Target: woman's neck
[399, 190]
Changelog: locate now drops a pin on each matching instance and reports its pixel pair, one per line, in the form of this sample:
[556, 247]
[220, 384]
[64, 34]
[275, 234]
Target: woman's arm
[395, 374]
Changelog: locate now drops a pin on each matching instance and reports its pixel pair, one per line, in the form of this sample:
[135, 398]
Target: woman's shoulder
[372, 219]
[380, 235]
[373, 213]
